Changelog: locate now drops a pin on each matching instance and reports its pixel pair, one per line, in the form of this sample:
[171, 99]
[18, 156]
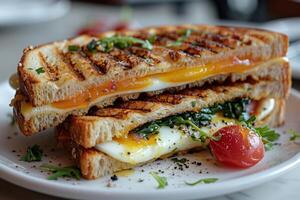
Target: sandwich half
[132, 133]
[69, 77]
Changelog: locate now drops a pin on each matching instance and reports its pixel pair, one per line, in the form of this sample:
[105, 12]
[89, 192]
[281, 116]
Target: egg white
[171, 140]
[168, 140]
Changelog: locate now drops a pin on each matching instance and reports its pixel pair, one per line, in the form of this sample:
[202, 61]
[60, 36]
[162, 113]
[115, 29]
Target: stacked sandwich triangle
[122, 99]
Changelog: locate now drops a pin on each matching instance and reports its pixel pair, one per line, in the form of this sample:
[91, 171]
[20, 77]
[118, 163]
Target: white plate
[277, 161]
[19, 12]
[288, 26]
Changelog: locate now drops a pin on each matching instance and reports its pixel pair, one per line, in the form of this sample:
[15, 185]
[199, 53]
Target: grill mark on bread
[193, 50]
[260, 37]
[124, 58]
[168, 98]
[118, 113]
[172, 35]
[94, 65]
[145, 55]
[145, 106]
[52, 71]
[68, 65]
[71, 65]
[211, 45]
[226, 40]
[174, 55]
[99, 61]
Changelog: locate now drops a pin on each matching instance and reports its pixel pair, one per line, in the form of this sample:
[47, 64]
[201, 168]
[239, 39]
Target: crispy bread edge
[274, 45]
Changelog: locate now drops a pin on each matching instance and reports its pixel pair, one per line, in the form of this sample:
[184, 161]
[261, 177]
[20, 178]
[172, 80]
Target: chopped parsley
[40, 70]
[162, 181]
[294, 135]
[152, 38]
[193, 103]
[180, 40]
[57, 172]
[195, 120]
[121, 42]
[33, 153]
[73, 47]
[202, 181]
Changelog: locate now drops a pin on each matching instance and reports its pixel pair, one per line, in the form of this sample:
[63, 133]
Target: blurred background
[31, 22]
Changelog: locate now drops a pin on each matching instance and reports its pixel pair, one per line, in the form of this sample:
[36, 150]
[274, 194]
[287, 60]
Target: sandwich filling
[183, 131]
[149, 83]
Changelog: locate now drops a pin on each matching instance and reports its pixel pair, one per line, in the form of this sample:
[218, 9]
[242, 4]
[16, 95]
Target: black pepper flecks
[114, 178]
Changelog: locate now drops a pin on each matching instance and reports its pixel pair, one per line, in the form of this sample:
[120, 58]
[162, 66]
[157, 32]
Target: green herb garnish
[12, 119]
[162, 181]
[268, 135]
[193, 103]
[152, 38]
[202, 181]
[40, 70]
[121, 42]
[73, 47]
[57, 172]
[235, 109]
[181, 39]
[294, 135]
[33, 153]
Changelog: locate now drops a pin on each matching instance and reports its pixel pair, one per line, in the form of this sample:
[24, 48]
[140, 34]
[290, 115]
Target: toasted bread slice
[34, 119]
[52, 73]
[102, 124]
[94, 164]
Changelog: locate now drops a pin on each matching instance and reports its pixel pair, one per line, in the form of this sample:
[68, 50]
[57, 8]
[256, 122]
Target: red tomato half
[238, 147]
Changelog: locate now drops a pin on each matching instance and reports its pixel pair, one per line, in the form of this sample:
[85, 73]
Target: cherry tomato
[237, 147]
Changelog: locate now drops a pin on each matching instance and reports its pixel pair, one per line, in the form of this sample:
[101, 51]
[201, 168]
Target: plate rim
[60, 189]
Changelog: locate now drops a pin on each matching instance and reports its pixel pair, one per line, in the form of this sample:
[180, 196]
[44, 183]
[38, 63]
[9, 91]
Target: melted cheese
[142, 84]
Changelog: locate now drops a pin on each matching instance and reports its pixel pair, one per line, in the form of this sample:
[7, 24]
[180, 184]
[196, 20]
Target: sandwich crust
[50, 73]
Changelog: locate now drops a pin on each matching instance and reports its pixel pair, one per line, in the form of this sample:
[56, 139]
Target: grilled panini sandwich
[66, 78]
[136, 132]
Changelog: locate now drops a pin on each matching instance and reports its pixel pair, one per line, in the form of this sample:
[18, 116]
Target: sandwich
[124, 99]
[69, 77]
[133, 133]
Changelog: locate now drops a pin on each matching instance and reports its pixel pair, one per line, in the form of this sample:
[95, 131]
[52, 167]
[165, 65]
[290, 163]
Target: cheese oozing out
[168, 140]
[148, 83]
